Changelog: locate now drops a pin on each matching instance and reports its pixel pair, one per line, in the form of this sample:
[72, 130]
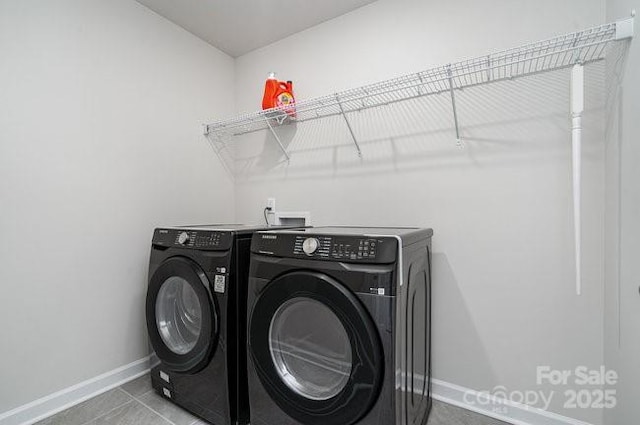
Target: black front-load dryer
[196, 310]
[339, 327]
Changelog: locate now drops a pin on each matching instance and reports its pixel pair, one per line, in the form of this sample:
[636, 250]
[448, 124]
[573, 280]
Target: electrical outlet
[271, 204]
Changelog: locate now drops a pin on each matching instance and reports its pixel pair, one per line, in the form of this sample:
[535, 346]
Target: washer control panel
[310, 245]
[183, 238]
[367, 249]
[195, 239]
[336, 247]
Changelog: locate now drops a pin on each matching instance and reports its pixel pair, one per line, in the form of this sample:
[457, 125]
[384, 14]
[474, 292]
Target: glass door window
[310, 348]
[178, 315]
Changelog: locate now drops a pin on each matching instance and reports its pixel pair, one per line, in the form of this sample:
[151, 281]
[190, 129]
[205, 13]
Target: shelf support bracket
[453, 104]
[275, 136]
[353, 136]
[624, 27]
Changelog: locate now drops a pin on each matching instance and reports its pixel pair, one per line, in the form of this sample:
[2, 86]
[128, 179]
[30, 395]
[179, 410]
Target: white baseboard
[501, 409]
[515, 413]
[68, 397]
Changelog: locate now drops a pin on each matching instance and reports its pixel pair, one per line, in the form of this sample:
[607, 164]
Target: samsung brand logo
[269, 237]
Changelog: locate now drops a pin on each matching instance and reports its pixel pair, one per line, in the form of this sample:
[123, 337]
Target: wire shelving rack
[580, 47]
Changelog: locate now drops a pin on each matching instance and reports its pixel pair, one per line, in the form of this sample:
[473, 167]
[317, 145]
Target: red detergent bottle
[279, 94]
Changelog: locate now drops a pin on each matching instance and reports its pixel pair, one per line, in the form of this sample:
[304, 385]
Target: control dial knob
[183, 238]
[310, 245]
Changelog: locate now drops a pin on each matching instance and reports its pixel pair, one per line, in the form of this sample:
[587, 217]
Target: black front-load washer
[339, 326]
[196, 310]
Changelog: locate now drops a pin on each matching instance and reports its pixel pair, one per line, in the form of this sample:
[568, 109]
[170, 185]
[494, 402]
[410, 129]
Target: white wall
[500, 207]
[622, 312]
[100, 141]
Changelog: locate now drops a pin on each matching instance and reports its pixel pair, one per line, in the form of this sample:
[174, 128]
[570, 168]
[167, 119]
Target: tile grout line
[133, 396]
[148, 407]
[108, 411]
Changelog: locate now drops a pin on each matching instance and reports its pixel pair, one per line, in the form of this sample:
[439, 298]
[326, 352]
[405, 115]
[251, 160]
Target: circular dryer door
[181, 315]
[316, 349]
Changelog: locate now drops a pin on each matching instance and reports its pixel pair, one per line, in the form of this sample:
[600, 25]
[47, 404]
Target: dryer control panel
[364, 249]
[205, 240]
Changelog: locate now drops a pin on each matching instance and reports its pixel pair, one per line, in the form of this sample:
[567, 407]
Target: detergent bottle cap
[272, 76]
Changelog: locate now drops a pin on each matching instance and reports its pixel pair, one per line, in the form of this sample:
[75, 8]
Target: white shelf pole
[577, 108]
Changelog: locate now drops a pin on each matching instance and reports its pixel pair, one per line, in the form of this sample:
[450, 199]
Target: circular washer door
[182, 320]
[315, 349]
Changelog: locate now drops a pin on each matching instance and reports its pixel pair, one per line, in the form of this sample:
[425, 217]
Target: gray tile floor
[135, 403]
